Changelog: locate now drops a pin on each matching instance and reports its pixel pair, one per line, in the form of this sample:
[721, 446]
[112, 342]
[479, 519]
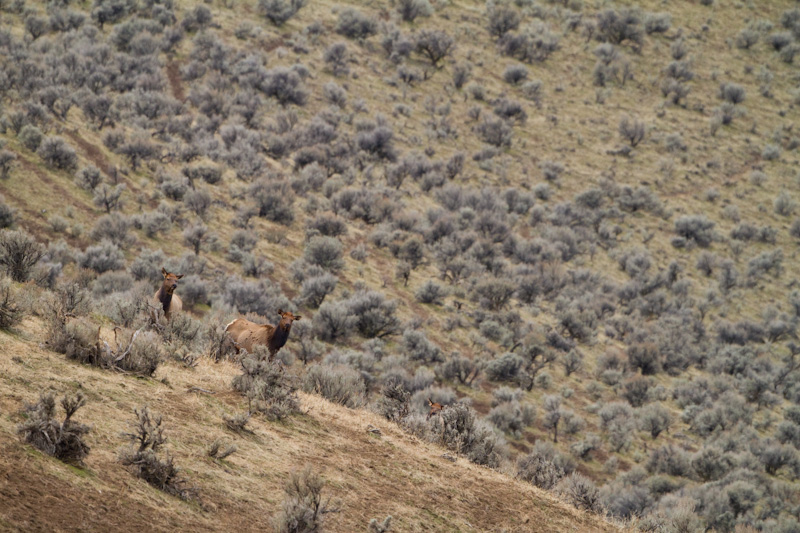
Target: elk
[246, 335]
[165, 297]
[435, 408]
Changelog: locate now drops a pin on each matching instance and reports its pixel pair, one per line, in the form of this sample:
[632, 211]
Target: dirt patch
[35, 500]
[93, 153]
[175, 80]
[273, 44]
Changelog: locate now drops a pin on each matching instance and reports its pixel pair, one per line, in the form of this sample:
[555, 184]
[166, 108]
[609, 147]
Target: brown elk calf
[165, 297]
[435, 408]
[246, 335]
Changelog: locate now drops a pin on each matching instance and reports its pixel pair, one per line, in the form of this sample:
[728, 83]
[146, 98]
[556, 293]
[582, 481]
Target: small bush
[732, 92]
[284, 85]
[303, 508]
[325, 252]
[626, 502]
[669, 460]
[431, 293]
[515, 74]
[539, 469]
[268, 388]
[746, 38]
[111, 282]
[512, 417]
[580, 491]
[56, 153]
[143, 456]
[654, 419]
[657, 22]
[273, 200]
[339, 384]
[355, 24]
[102, 257]
[784, 204]
[89, 178]
[279, 11]
[31, 137]
[19, 252]
[335, 93]
[461, 74]
[434, 45]
[505, 368]
[503, 19]
[62, 440]
[8, 161]
[108, 197]
[10, 310]
[393, 401]
[696, 228]
[409, 10]
[314, 289]
[460, 430]
[378, 142]
[216, 451]
[337, 58]
[631, 130]
[237, 423]
[113, 228]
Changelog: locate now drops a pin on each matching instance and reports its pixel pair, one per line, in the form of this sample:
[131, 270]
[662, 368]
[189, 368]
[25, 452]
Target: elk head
[170, 280]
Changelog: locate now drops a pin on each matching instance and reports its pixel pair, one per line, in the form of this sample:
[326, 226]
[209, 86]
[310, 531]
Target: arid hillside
[367, 475]
[572, 224]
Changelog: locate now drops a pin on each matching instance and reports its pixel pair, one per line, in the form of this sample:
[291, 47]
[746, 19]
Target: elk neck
[165, 297]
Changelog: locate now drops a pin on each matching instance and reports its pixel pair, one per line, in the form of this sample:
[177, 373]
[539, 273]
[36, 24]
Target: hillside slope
[575, 220]
[372, 476]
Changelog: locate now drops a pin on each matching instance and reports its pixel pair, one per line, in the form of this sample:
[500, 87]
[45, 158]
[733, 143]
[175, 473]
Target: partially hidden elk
[165, 298]
[246, 335]
[436, 408]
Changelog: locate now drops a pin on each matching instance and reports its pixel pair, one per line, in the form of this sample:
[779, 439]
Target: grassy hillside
[371, 476]
[576, 221]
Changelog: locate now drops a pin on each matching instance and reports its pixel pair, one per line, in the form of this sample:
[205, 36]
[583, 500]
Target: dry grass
[394, 474]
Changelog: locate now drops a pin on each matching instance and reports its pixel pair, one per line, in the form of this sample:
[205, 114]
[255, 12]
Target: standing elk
[246, 335]
[165, 298]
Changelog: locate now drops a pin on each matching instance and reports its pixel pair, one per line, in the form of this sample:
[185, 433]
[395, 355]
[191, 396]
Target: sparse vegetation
[143, 456]
[63, 440]
[609, 239]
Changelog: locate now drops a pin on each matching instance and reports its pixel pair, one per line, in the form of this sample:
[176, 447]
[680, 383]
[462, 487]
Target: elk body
[435, 408]
[165, 297]
[246, 335]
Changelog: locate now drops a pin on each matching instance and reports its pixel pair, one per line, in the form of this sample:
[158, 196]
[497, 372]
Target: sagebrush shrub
[303, 508]
[8, 161]
[56, 153]
[393, 401]
[580, 491]
[144, 459]
[539, 469]
[19, 252]
[339, 384]
[461, 431]
[62, 440]
[11, 312]
[268, 388]
[355, 24]
[435, 45]
[409, 10]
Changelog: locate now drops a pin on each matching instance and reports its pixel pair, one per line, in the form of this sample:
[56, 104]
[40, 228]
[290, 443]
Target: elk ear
[179, 276]
[280, 312]
[297, 317]
[164, 271]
